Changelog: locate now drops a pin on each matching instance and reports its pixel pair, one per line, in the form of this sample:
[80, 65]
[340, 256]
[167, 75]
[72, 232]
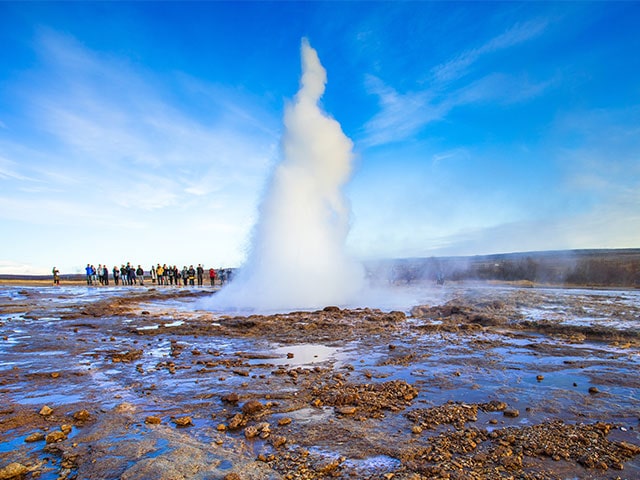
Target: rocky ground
[139, 384]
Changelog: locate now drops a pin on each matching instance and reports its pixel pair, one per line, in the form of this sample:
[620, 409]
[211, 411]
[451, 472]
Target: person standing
[200, 273]
[185, 275]
[154, 274]
[105, 275]
[140, 274]
[192, 275]
[56, 276]
[88, 270]
[176, 275]
[116, 274]
[131, 274]
[212, 276]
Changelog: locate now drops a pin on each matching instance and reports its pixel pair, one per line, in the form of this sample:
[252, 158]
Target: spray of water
[297, 258]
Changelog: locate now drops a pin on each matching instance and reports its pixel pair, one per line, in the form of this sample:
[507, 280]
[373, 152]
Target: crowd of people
[157, 274]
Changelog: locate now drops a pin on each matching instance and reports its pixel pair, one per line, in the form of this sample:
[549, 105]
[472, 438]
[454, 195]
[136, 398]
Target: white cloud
[459, 66]
[403, 115]
[115, 150]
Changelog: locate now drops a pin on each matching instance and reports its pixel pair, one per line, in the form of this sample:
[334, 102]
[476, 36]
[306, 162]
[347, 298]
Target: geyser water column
[298, 258]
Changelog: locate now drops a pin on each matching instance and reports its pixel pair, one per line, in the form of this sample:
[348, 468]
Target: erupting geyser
[297, 258]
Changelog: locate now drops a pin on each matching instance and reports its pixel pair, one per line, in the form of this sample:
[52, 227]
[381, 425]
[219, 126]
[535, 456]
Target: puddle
[305, 354]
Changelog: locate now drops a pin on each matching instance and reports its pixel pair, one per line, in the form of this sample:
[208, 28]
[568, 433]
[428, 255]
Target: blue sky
[146, 132]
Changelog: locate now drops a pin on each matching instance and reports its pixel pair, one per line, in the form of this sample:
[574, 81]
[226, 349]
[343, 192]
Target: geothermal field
[465, 381]
[298, 369]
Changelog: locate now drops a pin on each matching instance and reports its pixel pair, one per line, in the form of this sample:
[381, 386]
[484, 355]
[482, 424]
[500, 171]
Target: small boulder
[34, 437]
[183, 421]
[252, 407]
[56, 436]
[152, 420]
[13, 470]
[46, 411]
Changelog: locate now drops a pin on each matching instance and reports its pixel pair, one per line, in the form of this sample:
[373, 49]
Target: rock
[13, 470]
[540, 378]
[251, 407]
[284, 421]
[416, 429]
[34, 437]
[332, 309]
[250, 432]
[46, 411]
[66, 429]
[237, 421]
[153, 420]
[511, 412]
[278, 441]
[81, 415]
[346, 410]
[183, 421]
[231, 398]
[593, 390]
[56, 436]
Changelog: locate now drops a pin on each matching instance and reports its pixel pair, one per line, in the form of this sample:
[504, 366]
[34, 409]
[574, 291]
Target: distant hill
[597, 267]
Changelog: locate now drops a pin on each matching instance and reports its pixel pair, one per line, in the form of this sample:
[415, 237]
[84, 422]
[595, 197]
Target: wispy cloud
[402, 115]
[106, 143]
[515, 35]
[104, 111]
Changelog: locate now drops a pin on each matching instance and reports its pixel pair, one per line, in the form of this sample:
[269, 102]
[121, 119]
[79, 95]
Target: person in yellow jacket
[160, 273]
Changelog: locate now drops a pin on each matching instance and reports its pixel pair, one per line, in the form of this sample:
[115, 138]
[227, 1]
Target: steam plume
[297, 259]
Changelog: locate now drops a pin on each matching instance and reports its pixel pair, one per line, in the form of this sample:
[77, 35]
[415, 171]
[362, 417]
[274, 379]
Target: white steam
[297, 259]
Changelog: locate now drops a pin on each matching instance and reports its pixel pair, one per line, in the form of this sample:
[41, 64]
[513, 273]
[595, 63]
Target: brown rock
[13, 470]
[237, 421]
[346, 410]
[34, 437]
[153, 420]
[81, 416]
[66, 429]
[284, 421]
[46, 411]
[56, 436]
[511, 412]
[183, 421]
[231, 398]
[251, 407]
[278, 441]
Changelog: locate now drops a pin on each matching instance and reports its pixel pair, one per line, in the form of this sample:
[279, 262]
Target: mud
[487, 383]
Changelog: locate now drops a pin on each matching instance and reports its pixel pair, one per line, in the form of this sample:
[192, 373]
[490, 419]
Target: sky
[147, 132]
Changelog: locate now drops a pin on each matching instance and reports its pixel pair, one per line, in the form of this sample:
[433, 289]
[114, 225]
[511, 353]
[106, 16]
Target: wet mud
[487, 383]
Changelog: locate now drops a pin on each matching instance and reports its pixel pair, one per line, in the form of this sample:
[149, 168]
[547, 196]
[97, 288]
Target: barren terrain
[486, 383]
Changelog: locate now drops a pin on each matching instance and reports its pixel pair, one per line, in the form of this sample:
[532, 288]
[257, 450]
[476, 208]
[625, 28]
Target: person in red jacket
[212, 276]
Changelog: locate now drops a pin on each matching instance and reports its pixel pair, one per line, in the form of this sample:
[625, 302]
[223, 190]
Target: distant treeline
[606, 268]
